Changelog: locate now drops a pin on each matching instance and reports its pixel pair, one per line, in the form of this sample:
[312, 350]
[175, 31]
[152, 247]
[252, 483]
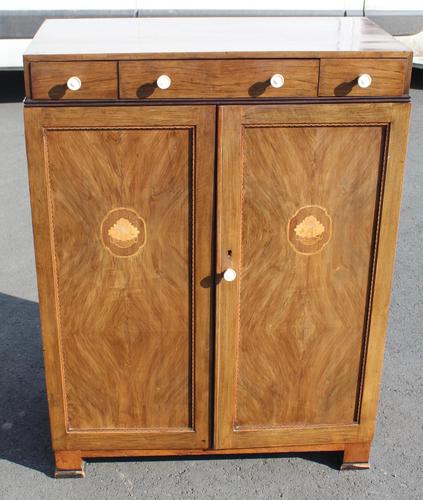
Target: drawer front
[98, 80]
[340, 77]
[214, 79]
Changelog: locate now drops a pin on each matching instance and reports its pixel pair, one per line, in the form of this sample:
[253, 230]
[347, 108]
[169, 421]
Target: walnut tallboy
[215, 205]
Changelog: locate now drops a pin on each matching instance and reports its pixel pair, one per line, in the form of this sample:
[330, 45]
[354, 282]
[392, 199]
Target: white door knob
[364, 81]
[74, 83]
[164, 82]
[277, 81]
[229, 274]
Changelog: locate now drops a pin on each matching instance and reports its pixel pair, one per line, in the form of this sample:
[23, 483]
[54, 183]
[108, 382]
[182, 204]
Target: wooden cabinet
[301, 204]
[214, 267]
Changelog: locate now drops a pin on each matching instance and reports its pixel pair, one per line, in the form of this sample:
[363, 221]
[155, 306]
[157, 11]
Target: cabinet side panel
[307, 226]
[120, 202]
[394, 175]
[47, 303]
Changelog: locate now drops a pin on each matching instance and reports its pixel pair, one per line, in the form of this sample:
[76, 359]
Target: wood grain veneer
[303, 305]
[99, 80]
[339, 77]
[218, 79]
[213, 37]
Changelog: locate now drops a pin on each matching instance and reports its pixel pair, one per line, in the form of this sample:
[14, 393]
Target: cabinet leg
[356, 456]
[68, 464]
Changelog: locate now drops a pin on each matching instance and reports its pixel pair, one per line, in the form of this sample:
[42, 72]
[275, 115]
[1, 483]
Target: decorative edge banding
[313, 125]
[374, 248]
[193, 230]
[372, 271]
[59, 321]
[241, 229]
[53, 252]
[273, 427]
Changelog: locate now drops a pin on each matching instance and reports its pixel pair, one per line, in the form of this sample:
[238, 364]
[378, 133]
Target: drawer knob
[229, 274]
[364, 81]
[164, 82]
[74, 83]
[277, 81]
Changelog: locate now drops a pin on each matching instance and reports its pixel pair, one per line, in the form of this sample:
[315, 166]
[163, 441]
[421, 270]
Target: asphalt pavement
[26, 461]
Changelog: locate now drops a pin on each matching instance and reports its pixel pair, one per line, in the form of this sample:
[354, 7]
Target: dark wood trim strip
[156, 102]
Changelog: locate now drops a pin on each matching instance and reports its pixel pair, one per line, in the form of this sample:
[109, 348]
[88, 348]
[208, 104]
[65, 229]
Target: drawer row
[218, 79]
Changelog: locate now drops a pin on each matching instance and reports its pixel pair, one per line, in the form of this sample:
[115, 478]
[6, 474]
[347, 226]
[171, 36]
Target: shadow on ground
[331, 459]
[24, 424]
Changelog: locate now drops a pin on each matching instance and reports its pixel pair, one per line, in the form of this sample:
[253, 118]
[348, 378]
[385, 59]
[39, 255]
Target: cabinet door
[122, 212]
[308, 208]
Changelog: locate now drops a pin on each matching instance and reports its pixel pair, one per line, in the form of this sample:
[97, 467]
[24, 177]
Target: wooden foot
[68, 464]
[356, 456]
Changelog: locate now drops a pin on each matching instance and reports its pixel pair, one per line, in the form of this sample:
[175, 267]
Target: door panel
[128, 348]
[299, 205]
[130, 202]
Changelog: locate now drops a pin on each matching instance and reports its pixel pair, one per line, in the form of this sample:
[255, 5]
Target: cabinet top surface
[213, 37]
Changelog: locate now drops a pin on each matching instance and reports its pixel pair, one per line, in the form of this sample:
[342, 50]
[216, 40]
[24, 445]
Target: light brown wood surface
[292, 328]
[130, 335]
[218, 79]
[399, 122]
[217, 37]
[355, 454]
[339, 77]
[99, 80]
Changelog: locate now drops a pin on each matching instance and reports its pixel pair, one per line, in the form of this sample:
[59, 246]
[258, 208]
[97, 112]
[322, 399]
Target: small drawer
[216, 79]
[350, 77]
[55, 80]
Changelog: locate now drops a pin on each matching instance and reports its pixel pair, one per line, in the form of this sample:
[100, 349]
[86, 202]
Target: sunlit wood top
[213, 36]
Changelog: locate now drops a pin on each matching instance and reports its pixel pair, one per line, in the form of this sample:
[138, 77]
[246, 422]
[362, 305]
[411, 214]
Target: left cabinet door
[122, 202]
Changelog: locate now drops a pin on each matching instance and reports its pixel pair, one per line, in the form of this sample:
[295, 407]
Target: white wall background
[288, 5]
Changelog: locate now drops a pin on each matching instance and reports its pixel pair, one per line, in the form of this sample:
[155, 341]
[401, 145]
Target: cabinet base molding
[69, 473]
[356, 456]
[355, 466]
[71, 463]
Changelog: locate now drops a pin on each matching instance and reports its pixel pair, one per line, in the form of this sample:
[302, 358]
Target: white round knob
[364, 81]
[74, 83]
[277, 81]
[229, 274]
[164, 82]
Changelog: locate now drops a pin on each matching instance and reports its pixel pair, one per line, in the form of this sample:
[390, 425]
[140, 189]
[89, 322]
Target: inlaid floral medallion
[123, 232]
[309, 229]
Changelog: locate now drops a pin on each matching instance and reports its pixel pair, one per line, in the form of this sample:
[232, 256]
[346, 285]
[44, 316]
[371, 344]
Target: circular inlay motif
[309, 229]
[123, 232]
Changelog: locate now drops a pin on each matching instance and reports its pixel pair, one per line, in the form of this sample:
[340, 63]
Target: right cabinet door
[308, 204]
